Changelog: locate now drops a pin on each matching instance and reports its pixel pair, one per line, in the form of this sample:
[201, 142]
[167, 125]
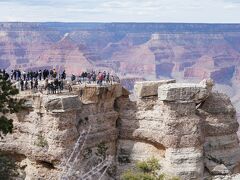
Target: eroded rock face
[189, 128]
[193, 128]
[46, 132]
[183, 92]
[149, 88]
[92, 94]
[58, 103]
[220, 126]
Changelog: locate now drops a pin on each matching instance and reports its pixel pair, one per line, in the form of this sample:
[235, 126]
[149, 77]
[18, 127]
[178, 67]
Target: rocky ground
[188, 127]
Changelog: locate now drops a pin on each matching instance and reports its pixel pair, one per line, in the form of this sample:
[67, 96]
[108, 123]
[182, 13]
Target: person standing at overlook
[24, 75]
[31, 84]
[45, 74]
[54, 74]
[63, 75]
[21, 84]
[107, 79]
[36, 84]
[51, 73]
[46, 84]
[40, 74]
[61, 85]
[56, 85]
[100, 78]
[73, 77]
[26, 84]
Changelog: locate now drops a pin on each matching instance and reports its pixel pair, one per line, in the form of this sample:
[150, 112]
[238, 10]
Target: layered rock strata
[46, 133]
[189, 128]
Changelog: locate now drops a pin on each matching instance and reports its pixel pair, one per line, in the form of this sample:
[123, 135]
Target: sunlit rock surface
[149, 88]
[188, 127]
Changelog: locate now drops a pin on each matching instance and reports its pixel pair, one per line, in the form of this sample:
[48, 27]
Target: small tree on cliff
[147, 170]
[8, 104]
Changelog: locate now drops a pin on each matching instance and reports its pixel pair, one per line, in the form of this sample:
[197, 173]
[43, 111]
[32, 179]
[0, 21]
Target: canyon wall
[189, 128]
[48, 130]
[150, 51]
[183, 126]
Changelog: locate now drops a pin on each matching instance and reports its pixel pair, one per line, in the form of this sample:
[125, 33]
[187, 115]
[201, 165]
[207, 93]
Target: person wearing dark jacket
[21, 84]
[31, 83]
[63, 75]
[56, 86]
[51, 73]
[36, 84]
[73, 77]
[40, 74]
[26, 84]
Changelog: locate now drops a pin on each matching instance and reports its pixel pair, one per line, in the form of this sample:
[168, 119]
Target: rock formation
[188, 127]
[185, 52]
[181, 124]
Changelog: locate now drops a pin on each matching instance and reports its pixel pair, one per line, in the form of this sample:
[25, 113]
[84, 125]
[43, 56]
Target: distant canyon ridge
[134, 51]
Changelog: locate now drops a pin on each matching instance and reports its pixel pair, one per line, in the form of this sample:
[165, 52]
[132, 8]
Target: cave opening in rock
[46, 164]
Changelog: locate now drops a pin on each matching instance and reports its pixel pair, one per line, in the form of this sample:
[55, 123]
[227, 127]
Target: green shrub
[8, 105]
[145, 176]
[8, 167]
[41, 141]
[130, 175]
[143, 166]
[147, 170]
[161, 177]
[102, 150]
[149, 166]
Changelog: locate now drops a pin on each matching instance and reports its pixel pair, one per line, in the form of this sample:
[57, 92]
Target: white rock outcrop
[189, 128]
[149, 88]
[192, 128]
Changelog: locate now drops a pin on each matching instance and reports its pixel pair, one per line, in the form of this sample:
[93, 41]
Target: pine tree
[8, 104]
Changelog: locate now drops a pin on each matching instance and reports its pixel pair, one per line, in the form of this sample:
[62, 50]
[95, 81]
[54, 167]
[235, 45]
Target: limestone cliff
[189, 128]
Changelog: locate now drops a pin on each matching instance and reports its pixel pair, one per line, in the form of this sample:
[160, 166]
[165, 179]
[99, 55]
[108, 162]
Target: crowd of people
[30, 75]
[93, 77]
[29, 80]
[4, 74]
[53, 81]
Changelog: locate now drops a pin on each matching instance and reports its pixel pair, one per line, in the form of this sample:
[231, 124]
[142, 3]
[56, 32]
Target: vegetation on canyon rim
[8, 105]
[41, 141]
[147, 170]
[7, 167]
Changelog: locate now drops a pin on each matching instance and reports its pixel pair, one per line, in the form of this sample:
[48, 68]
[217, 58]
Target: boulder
[220, 169]
[183, 92]
[93, 94]
[149, 88]
[207, 83]
[218, 103]
[61, 103]
[215, 168]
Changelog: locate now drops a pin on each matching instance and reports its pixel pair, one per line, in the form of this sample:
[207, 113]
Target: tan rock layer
[189, 128]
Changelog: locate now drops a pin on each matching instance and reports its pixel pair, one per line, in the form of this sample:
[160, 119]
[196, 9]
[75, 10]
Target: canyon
[98, 132]
[190, 128]
[134, 51]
